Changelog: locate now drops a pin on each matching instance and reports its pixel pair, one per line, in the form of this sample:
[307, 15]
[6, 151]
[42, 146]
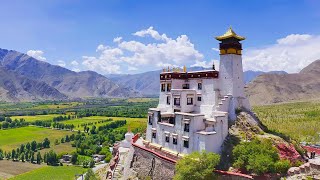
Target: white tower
[231, 71]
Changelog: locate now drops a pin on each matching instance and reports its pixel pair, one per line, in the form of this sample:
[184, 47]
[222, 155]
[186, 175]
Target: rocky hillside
[14, 87]
[275, 88]
[67, 83]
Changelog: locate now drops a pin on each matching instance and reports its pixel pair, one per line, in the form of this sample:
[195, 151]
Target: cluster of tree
[26, 152]
[259, 157]
[62, 118]
[104, 136]
[91, 123]
[197, 166]
[63, 126]
[51, 158]
[41, 123]
[67, 138]
[7, 122]
[127, 109]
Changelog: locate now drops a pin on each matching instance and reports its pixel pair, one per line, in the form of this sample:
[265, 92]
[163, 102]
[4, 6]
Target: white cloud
[153, 33]
[37, 54]
[173, 52]
[74, 63]
[291, 54]
[61, 63]
[117, 39]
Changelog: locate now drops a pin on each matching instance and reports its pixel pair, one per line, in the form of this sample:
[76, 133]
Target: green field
[12, 138]
[299, 120]
[132, 122]
[52, 173]
[37, 117]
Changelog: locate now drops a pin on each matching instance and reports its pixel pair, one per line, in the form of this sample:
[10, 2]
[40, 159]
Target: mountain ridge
[69, 83]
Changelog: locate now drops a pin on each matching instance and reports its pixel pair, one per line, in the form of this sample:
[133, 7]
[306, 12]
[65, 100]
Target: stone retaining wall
[147, 164]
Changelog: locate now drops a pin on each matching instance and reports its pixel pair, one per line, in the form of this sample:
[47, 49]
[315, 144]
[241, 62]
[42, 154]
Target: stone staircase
[309, 169]
[223, 104]
[117, 173]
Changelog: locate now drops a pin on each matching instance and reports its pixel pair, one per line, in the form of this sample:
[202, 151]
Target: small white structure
[126, 143]
[194, 107]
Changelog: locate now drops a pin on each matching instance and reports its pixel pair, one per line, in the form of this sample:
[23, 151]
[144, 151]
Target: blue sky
[65, 31]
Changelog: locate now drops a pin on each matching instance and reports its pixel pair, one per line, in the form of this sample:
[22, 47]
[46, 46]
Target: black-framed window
[168, 100]
[167, 138]
[169, 87]
[199, 86]
[154, 135]
[199, 98]
[189, 101]
[185, 86]
[186, 127]
[172, 120]
[186, 143]
[177, 101]
[174, 140]
[163, 87]
[159, 116]
[150, 120]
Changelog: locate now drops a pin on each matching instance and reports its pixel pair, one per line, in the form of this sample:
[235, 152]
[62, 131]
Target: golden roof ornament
[229, 34]
[184, 68]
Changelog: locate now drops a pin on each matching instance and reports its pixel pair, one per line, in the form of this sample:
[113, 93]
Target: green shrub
[196, 166]
[282, 166]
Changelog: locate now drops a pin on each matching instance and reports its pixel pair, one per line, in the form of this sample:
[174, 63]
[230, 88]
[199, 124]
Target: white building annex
[194, 107]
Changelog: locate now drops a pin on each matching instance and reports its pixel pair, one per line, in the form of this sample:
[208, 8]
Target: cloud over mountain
[291, 54]
[153, 51]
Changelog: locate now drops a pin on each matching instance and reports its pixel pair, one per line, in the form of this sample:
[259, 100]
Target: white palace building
[194, 107]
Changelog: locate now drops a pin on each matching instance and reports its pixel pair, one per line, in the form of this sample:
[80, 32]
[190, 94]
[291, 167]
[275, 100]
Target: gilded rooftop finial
[184, 68]
[229, 34]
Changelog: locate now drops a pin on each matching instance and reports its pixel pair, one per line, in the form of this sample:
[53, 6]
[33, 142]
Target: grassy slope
[9, 168]
[12, 138]
[52, 173]
[300, 120]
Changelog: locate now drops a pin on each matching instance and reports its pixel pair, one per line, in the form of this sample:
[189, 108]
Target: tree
[256, 156]
[13, 154]
[28, 146]
[90, 175]
[46, 143]
[39, 159]
[74, 158]
[22, 157]
[91, 164]
[22, 148]
[34, 146]
[52, 158]
[32, 157]
[197, 165]
[67, 138]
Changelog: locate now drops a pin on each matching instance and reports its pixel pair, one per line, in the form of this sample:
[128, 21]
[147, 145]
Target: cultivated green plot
[300, 120]
[52, 173]
[132, 122]
[12, 138]
[37, 117]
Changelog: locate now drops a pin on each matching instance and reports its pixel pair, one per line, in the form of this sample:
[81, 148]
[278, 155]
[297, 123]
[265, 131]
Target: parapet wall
[148, 164]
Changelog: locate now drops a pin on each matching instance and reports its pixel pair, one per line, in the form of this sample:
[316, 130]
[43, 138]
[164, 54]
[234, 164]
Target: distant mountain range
[24, 78]
[275, 88]
[148, 83]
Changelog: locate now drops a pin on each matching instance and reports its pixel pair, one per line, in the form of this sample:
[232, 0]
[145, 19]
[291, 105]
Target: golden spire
[230, 33]
[184, 68]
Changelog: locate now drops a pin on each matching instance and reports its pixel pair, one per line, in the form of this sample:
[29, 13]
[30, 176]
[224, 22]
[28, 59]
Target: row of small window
[172, 121]
[184, 86]
[176, 101]
[174, 140]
